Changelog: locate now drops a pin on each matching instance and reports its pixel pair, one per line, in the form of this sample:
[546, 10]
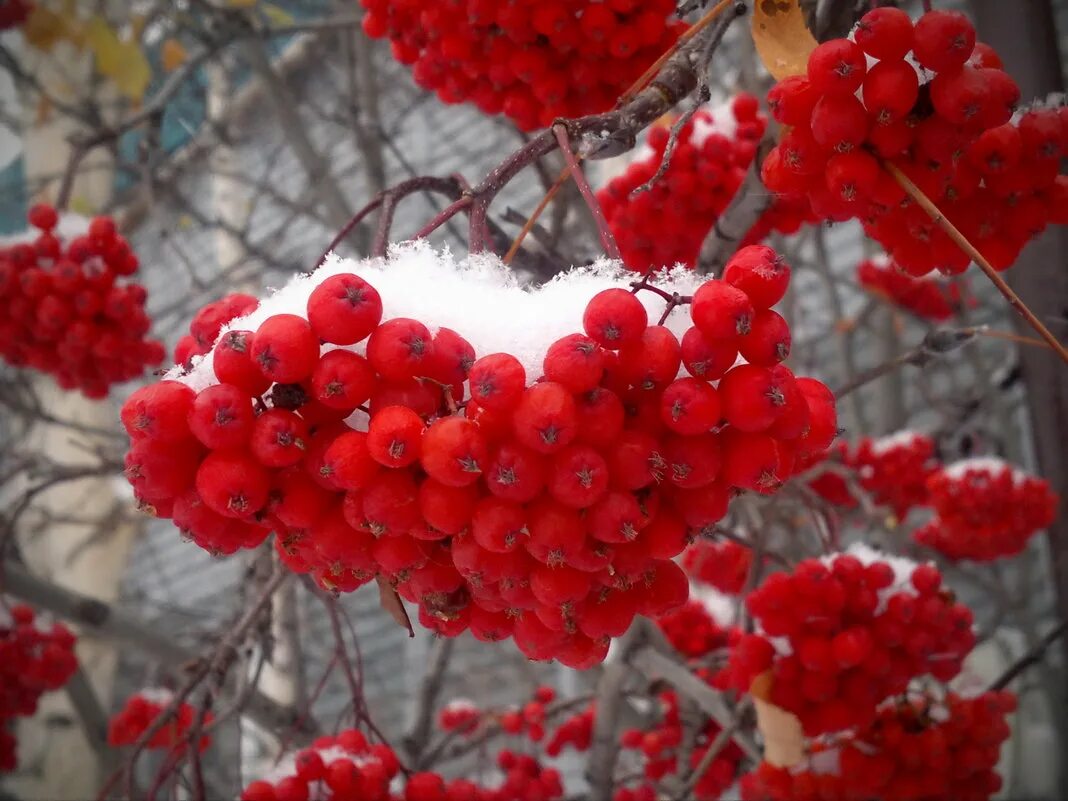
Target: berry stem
[1031, 658]
[529, 224]
[962, 242]
[608, 241]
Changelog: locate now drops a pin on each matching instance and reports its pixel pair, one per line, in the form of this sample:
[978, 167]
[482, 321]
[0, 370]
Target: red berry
[497, 381]
[614, 318]
[885, 33]
[401, 349]
[721, 311]
[545, 420]
[394, 436]
[221, 416]
[454, 452]
[285, 349]
[343, 380]
[943, 40]
[837, 66]
[344, 309]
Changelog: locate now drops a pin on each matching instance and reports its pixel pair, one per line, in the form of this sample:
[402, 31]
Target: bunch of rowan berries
[666, 223]
[206, 324]
[548, 512]
[14, 12]
[661, 749]
[531, 60]
[932, 102]
[68, 310]
[347, 766]
[934, 748]
[843, 634]
[893, 470]
[143, 709]
[927, 297]
[33, 660]
[692, 631]
[985, 509]
[723, 565]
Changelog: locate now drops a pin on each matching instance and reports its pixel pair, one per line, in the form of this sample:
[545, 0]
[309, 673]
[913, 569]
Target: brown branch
[608, 239]
[935, 345]
[1031, 658]
[415, 741]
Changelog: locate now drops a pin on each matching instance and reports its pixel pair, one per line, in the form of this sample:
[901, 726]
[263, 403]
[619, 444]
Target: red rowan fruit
[344, 309]
[614, 318]
[285, 348]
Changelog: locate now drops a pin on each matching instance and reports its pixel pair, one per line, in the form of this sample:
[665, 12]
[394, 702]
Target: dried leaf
[243, 3]
[782, 40]
[122, 62]
[783, 736]
[44, 28]
[172, 55]
[392, 603]
[277, 16]
[80, 204]
[43, 112]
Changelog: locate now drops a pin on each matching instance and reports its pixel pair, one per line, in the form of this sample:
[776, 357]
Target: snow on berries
[926, 746]
[666, 224]
[34, 659]
[506, 473]
[68, 308]
[141, 711]
[930, 101]
[985, 509]
[843, 634]
[532, 62]
[928, 297]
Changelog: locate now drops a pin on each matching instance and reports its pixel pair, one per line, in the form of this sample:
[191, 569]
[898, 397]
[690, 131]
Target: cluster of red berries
[666, 224]
[530, 719]
[660, 748]
[947, 124]
[927, 297]
[13, 13]
[33, 661]
[142, 709]
[893, 470]
[841, 636]
[549, 513]
[985, 509]
[723, 565]
[920, 748]
[531, 60]
[208, 322]
[65, 310]
[692, 631]
[575, 732]
[346, 766]
[460, 716]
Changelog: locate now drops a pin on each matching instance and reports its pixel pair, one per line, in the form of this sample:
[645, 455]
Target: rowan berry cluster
[460, 716]
[208, 322]
[549, 513]
[985, 509]
[575, 732]
[894, 470]
[927, 297]
[14, 12]
[33, 660]
[935, 749]
[936, 105]
[67, 310]
[842, 635]
[531, 60]
[723, 565]
[666, 224]
[346, 766]
[142, 710]
[661, 748]
[529, 720]
[692, 631]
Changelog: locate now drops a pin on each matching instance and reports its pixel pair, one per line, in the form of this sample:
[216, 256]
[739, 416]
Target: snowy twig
[1031, 658]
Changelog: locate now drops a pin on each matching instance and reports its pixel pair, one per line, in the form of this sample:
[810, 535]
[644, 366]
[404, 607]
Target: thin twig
[608, 239]
[1031, 658]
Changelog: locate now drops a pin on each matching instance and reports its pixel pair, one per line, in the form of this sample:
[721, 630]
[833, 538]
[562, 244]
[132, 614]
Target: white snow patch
[721, 608]
[157, 695]
[68, 227]
[479, 297]
[900, 439]
[990, 465]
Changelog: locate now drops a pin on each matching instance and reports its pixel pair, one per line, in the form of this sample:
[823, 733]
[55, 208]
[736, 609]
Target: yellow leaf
[80, 204]
[185, 222]
[781, 38]
[121, 61]
[784, 739]
[243, 3]
[277, 16]
[172, 55]
[43, 111]
[392, 603]
[44, 28]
